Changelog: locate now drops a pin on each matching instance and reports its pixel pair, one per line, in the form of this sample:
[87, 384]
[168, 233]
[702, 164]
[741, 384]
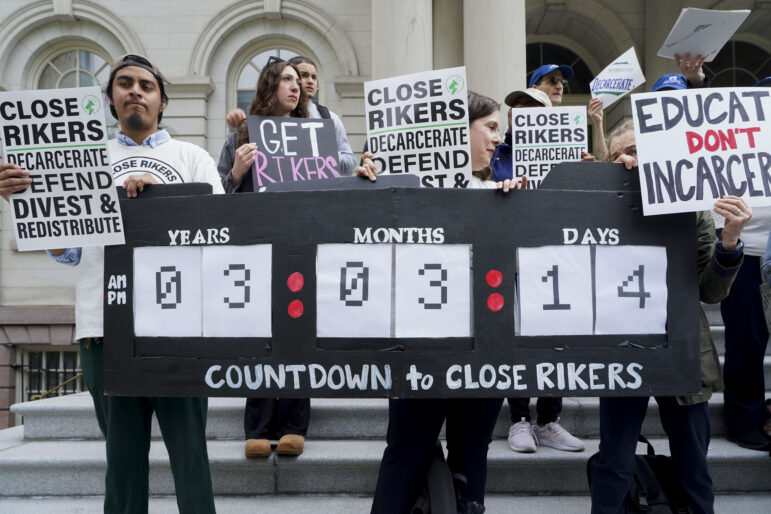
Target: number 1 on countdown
[555, 285]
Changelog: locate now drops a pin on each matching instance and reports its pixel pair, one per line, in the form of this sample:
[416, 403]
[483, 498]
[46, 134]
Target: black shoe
[750, 439]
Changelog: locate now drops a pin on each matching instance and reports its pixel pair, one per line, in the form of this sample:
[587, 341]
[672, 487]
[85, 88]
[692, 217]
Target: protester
[278, 93]
[684, 419]
[503, 165]
[547, 432]
[137, 97]
[552, 80]
[309, 80]
[414, 424]
[747, 418]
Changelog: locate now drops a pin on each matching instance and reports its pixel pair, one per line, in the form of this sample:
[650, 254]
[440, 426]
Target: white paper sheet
[353, 290]
[555, 290]
[167, 291]
[702, 32]
[631, 289]
[618, 79]
[433, 290]
[237, 291]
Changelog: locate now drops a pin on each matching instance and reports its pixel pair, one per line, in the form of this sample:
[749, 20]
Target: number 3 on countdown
[435, 283]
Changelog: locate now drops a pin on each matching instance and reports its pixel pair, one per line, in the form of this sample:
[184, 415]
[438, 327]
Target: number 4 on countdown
[641, 293]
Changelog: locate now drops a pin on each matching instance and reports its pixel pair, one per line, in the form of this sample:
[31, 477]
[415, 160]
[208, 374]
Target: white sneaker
[521, 438]
[555, 436]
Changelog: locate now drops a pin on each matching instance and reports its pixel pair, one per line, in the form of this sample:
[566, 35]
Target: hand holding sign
[367, 168]
[244, 160]
[691, 67]
[12, 179]
[737, 213]
[135, 184]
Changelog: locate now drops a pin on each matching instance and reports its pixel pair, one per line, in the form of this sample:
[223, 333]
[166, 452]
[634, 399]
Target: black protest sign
[60, 137]
[292, 150]
[698, 145]
[399, 301]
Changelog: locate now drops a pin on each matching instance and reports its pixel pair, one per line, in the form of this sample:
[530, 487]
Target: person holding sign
[278, 93]
[747, 419]
[414, 424]
[140, 155]
[503, 166]
[685, 419]
[309, 81]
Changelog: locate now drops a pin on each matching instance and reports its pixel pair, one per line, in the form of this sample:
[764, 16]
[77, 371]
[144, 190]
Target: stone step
[72, 417]
[318, 504]
[76, 468]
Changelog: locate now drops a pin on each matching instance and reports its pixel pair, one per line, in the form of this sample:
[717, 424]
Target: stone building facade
[212, 52]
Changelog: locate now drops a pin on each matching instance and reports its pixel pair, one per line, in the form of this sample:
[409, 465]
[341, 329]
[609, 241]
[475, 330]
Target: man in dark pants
[413, 428]
[746, 338]
[685, 419]
[137, 97]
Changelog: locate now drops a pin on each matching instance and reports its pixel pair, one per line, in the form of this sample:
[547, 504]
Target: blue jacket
[502, 164]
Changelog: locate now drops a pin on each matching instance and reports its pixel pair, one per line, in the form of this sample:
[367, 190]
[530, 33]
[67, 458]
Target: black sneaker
[750, 439]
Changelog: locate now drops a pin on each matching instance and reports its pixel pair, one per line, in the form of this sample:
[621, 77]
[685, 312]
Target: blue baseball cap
[567, 72]
[670, 81]
[764, 82]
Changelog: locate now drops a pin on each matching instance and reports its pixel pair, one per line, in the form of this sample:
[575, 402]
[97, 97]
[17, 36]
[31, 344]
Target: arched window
[738, 64]
[74, 68]
[539, 54]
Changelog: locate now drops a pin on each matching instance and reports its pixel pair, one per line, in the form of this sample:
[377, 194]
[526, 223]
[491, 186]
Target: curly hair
[265, 97]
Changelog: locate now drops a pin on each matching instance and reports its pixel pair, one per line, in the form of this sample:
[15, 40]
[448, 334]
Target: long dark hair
[480, 106]
[265, 97]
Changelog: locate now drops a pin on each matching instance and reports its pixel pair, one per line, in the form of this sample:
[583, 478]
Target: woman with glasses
[278, 93]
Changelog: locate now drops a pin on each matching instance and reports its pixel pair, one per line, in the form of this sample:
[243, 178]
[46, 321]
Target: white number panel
[631, 289]
[433, 290]
[167, 292]
[555, 290]
[353, 290]
[237, 291]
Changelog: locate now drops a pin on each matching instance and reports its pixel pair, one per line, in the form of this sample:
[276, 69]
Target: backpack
[437, 495]
[323, 112]
[656, 487]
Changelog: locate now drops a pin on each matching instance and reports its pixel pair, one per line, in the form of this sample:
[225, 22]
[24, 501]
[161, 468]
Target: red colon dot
[295, 282]
[495, 302]
[494, 278]
[296, 308]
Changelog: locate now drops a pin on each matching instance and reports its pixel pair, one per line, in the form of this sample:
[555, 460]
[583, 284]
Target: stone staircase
[55, 461]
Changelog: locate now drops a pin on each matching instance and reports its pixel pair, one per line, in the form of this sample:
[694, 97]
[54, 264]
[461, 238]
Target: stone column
[494, 46]
[660, 17]
[401, 37]
[448, 34]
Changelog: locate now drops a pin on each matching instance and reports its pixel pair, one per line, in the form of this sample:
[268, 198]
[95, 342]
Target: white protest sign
[618, 78]
[701, 32]
[544, 136]
[419, 124]
[696, 145]
[60, 136]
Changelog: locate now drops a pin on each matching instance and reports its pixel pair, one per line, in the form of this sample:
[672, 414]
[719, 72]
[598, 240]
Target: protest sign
[292, 150]
[701, 32]
[60, 137]
[542, 137]
[409, 303]
[419, 124]
[617, 79]
[697, 145]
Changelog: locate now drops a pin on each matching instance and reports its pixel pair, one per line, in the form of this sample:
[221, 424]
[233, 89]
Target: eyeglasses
[554, 81]
[273, 58]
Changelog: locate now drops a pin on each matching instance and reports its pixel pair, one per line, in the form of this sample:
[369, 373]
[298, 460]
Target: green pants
[125, 423]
